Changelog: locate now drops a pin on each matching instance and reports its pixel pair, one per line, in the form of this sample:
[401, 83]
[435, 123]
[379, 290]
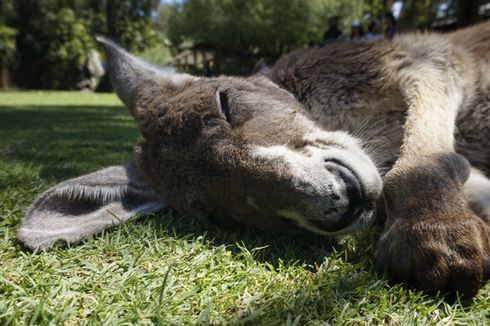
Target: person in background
[333, 33]
[391, 27]
[374, 31]
[356, 31]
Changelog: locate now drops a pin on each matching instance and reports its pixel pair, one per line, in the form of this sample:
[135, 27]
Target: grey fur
[87, 205]
[125, 70]
[130, 75]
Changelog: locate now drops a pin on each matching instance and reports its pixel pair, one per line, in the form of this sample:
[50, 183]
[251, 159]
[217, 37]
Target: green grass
[167, 269]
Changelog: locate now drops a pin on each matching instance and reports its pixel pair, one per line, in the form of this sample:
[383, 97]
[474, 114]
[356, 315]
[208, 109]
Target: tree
[7, 45]
[7, 41]
[7, 51]
[54, 36]
[241, 30]
[417, 14]
[52, 45]
[130, 22]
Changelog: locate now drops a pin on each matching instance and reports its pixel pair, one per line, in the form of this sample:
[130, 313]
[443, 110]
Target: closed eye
[222, 100]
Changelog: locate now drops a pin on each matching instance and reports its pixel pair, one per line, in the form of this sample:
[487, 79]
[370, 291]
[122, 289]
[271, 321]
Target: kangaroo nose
[348, 177]
[353, 213]
[352, 192]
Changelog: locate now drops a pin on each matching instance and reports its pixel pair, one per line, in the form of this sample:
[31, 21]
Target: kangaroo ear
[132, 77]
[87, 205]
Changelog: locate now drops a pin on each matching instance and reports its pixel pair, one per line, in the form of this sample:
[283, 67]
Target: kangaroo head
[226, 148]
[242, 149]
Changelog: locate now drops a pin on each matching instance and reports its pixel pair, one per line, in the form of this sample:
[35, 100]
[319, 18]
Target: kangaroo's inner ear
[87, 205]
[133, 78]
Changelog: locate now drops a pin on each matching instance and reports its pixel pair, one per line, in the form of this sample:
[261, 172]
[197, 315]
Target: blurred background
[49, 44]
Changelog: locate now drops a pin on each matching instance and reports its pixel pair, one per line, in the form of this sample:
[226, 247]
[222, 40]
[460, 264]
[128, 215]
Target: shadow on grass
[65, 141]
[347, 284]
[302, 248]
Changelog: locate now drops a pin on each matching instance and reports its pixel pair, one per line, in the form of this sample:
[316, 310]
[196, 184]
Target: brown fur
[296, 149]
[432, 237]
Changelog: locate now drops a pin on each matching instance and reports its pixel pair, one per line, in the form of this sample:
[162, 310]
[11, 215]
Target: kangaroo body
[355, 87]
[314, 144]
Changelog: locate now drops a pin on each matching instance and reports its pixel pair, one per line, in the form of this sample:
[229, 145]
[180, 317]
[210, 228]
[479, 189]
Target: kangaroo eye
[222, 100]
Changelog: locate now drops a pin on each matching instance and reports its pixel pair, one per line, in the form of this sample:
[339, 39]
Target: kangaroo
[320, 142]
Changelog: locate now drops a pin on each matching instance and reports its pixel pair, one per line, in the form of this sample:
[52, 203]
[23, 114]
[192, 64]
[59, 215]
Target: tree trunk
[4, 77]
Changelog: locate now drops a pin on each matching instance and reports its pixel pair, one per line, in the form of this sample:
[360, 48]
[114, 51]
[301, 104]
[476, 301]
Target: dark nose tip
[353, 193]
[349, 178]
[353, 213]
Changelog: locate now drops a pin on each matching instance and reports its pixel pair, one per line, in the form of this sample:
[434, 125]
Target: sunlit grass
[168, 269]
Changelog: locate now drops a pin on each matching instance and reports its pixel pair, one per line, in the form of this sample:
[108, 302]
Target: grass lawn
[166, 269]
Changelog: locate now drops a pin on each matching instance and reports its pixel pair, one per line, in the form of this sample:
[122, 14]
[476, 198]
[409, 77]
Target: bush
[7, 45]
[53, 47]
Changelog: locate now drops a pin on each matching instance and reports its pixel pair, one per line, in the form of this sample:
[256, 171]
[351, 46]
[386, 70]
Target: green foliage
[158, 53]
[127, 22]
[417, 14]
[130, 23]
[54, 36]
[52, 44]
[254, 28]
[6, 11]
[7, 34]
[7, 45]
[378, 7]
